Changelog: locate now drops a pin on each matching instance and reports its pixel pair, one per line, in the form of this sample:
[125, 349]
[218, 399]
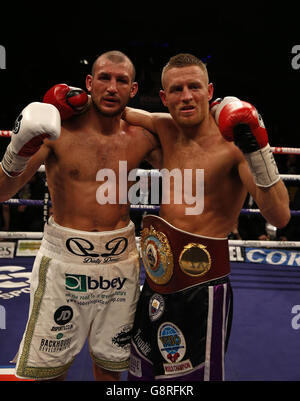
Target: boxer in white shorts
[83, 285]
[85, 282]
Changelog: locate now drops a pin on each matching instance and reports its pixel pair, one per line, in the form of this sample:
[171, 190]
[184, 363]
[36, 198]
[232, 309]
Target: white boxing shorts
[83, 285]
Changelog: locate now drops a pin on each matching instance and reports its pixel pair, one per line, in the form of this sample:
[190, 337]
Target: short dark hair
[116, 57]
[183, 60]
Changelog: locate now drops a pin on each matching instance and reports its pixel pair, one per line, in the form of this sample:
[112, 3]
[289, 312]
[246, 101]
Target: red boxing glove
[240, 122]
[68, 100]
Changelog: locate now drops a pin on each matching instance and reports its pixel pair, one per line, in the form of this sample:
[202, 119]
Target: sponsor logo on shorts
[156, 307]
[65, 327]
[83, 283]
[57, 345]
[171, 342]
[172, 346]
[84, 248]
[63, 315]
[175, 368]
[143, 346]
[123, 338]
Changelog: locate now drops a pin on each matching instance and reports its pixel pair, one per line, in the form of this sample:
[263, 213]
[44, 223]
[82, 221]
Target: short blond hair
[183, 60]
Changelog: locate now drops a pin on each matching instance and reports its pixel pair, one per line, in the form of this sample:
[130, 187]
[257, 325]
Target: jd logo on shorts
[63, 315]
[82, 283]
[83, 247]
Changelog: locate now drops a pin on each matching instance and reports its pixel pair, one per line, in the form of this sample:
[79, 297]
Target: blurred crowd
[22, 217]
[254, 226]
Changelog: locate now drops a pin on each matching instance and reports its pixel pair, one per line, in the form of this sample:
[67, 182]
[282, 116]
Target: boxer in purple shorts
[183, 315]
[166, 342]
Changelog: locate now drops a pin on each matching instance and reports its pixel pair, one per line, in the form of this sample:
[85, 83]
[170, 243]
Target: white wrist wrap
[263, 167]
[12, 164]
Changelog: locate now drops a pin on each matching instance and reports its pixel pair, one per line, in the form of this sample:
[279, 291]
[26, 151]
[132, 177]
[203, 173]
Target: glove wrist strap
[12, 164]
[263, 167]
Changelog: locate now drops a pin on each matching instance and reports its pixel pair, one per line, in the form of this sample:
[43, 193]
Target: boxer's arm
[273, 201]
[140, 118]
[240, 122]
[9, 186]
[153, 122]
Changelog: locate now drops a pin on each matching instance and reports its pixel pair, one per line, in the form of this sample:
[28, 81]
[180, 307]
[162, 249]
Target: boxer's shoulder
[163, 119]
[139, 135]
[165, 126]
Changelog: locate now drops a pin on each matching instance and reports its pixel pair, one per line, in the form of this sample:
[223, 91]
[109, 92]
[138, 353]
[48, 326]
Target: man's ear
[134, 89]
[162, 95]
[88, 82]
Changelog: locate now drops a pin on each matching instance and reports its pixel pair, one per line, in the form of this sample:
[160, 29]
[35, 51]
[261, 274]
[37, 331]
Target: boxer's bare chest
[214, 156]
[80, 155]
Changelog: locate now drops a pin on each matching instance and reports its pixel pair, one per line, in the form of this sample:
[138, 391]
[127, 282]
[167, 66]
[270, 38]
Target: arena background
[248, 48]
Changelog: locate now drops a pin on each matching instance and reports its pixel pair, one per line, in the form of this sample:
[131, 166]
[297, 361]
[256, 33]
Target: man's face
[111, 86]
[186, 94]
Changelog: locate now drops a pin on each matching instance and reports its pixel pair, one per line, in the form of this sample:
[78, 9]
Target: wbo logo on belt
[194, 260]
[157, 255]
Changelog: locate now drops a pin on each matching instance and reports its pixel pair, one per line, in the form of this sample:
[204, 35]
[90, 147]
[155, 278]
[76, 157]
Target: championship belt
[175, 259]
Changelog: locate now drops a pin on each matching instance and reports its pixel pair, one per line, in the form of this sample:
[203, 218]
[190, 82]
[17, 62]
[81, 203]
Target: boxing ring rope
[152, 208]
[275, 149]
[140, 172]
[147, 207]
[21, 235]
[155, 208]
[252, 243]
[5, 134]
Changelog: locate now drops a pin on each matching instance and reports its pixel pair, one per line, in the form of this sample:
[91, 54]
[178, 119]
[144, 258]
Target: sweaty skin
[73, 163]
[190, 139]
[89, 142]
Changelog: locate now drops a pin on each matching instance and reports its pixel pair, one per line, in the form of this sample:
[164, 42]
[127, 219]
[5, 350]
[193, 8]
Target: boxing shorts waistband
[70, 245]
[175, 259]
